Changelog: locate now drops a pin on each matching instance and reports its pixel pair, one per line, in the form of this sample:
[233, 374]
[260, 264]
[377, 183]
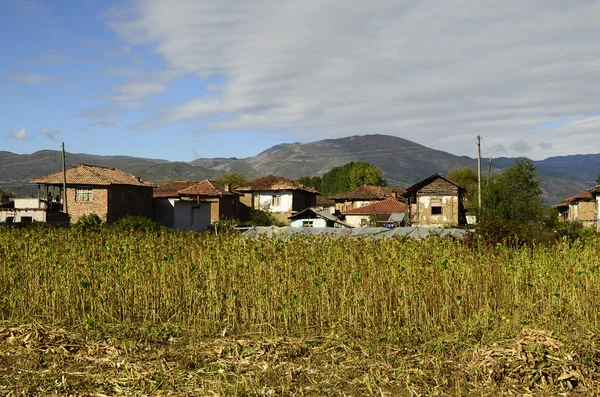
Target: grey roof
[320, 214]
[396, 217]
[367, 232]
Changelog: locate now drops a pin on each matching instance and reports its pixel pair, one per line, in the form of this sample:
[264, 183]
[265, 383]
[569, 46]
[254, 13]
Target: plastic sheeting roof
[369, 232]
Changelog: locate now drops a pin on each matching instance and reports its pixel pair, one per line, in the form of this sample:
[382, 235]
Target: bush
[573, 230]
[223, 226]
[512, 233]
[136, 222]
[88, 221]
[262, 218]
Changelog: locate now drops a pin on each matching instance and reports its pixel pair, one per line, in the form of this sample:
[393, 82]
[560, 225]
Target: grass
[191, 313]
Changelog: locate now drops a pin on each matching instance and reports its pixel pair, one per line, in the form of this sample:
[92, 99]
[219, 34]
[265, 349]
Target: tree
[467, 178]
[232, 178]
[598, 180]
[514, 194]
[349, 176]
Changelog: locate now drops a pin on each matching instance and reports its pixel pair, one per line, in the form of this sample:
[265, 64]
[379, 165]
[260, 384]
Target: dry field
[107, 312]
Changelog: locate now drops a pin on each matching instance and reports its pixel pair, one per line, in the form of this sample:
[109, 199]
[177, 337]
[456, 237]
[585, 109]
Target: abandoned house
[435, 201]
[279, 196]
[107, 192]
[581, 207]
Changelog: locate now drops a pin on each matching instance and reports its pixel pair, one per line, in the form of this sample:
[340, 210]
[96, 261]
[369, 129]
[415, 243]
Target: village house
[364, 195]
[435, 201]
[581, 207]
[107, 192]
[379, 213]
[279, 196]
[325, 204]
[595, 191]
[5, 197]
[194, 205]
[314, 217]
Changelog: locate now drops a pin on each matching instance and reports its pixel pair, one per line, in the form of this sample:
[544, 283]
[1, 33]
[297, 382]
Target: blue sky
[197, 78]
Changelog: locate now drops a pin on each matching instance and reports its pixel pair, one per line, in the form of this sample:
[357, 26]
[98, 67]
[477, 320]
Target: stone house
[107, 192]
[581, 207]
[364, 195]
[279, 196]
[379, 212]
[435, 201]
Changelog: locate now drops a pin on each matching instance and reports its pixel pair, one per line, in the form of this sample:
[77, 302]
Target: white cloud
[50, 134]
[20, 135]
[433, 71]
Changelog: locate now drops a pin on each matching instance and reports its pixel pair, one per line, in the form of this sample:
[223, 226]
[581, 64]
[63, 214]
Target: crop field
[112, 312]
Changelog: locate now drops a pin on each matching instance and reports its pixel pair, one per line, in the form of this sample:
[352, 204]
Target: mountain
[17, 169]
[403, 163]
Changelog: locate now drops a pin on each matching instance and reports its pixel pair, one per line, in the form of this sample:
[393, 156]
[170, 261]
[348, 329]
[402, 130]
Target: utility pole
[65, 205]
[479, 171]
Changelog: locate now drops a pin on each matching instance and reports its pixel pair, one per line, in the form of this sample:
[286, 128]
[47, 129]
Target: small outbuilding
[313, 217]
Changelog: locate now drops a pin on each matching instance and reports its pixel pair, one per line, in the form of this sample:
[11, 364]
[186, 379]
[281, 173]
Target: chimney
[227, 187]
[395, 194]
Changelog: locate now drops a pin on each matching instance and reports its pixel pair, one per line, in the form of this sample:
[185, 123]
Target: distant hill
[403, 163]
[17, 169]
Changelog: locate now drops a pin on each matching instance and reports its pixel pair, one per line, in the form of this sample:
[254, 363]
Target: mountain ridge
[402, 162]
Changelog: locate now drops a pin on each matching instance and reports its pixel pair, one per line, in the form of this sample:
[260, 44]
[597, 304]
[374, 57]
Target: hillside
[403, 163]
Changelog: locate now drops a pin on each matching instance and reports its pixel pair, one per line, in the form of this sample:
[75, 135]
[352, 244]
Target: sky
[183, 79]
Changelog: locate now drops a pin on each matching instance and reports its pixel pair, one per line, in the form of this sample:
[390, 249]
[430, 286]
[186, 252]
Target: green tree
[598, 180]
[232, 178]
[514, 195]
[349, 176]
[311, 181]
[467, 178]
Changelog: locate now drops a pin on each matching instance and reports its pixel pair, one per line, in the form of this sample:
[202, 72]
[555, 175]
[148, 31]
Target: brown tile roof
[206, 188]
[271, 182]
[367, 192]
[93, 175]
[595, 189]
[324, 201]
[387, 206]
[172, 188]
[585, 196]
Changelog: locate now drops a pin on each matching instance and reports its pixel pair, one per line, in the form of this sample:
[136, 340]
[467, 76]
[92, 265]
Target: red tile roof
[595, 189]
[206, 188]
[585, 196]
[172, 188]
[387, 206]
[271, 182]
[93, 175]
[368, 192]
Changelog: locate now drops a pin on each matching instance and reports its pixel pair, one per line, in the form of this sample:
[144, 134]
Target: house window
[307, 223]
[436, 210]
[10, 219]
[26, 219]
[276, 201]
[83, 194]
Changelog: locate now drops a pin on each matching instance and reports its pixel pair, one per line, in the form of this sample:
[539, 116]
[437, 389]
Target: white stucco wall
[315, 222]
[37, 215]
[264, 201]
[189, 215]
[356, 220]
[28, 203]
